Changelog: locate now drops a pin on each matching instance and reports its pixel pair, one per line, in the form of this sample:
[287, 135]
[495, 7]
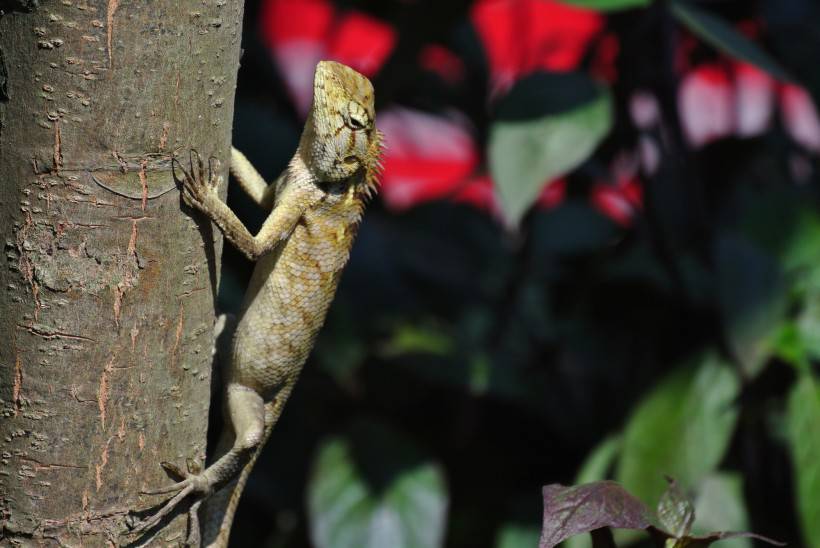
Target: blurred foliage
[372, 488]
[597, 508]
[527, 148]
[804, 431]
[627, 327]
[723, 36]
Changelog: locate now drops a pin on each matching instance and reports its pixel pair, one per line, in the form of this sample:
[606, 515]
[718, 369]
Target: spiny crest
[374, 165]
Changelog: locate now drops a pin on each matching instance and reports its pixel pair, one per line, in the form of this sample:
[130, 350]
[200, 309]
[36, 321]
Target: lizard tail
[221, 506]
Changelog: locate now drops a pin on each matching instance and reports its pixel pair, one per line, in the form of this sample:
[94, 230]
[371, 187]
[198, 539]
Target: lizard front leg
[252, 182]
[200, 193]
[246, 408]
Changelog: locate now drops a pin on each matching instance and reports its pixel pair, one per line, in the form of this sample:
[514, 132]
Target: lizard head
[340, 137]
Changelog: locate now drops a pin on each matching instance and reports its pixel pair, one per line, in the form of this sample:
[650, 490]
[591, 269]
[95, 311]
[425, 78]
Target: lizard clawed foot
[197, 187]
[192, 484]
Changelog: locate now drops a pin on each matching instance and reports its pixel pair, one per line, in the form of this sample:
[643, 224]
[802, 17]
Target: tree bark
[108, 283]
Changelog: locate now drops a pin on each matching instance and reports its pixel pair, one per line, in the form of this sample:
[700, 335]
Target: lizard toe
[154, 520]
[173, 488]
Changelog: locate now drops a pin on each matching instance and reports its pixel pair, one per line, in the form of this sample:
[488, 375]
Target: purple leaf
[569, 511]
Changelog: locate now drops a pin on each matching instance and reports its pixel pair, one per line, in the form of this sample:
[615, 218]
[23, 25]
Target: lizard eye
[357, 117]
[355, 123]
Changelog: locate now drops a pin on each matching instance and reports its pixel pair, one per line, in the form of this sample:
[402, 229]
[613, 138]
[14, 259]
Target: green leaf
[418, 339]
[517, 535]
[681, 429]
[751, 298]
[373, 488]
[801, 250]
[608, 5]
[544, 128]
[725, 37]
[789, 345]
[599, 461]
[675, 511]
[804, 435]
[719, 506]
[808, 326]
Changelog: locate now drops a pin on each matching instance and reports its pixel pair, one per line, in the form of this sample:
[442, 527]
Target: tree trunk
[107, 289]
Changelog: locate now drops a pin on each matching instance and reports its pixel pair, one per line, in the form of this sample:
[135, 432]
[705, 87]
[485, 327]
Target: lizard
[315, 207]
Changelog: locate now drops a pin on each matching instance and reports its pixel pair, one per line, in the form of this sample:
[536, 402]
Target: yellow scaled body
[300, 252]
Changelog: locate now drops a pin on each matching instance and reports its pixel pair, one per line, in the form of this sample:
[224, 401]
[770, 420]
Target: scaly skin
[300, 251]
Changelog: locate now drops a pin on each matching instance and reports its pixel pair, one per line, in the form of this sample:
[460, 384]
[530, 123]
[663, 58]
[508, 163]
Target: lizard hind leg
[220, 509]
[246, 410]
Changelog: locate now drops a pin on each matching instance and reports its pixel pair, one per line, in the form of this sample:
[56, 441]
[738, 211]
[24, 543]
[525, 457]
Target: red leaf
[428, 157]
[522, 36]
[443, 62]
[361, 42]
[800, 117]
[300, 33]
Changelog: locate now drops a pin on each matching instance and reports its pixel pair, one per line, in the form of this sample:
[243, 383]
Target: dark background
[504, 356]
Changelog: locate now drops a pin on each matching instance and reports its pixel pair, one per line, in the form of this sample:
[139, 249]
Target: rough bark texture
[107, 283]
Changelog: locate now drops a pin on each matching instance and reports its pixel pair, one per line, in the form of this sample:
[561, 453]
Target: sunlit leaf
[804, 435]
[720, 505]
[544, 128]
[609, 5]
[675, 511]
[676, 514]
[725, 37]
[681, 429]
[373, 488]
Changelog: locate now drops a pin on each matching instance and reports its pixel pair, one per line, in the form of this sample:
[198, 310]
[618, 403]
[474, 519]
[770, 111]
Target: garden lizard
[300, 251]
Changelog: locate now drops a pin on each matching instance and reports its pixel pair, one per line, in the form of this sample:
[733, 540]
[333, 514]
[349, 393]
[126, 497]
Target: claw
[174, 471]
[191, 153]
[190, 484]
[195, 189]
[174, 162]
[200, 165]
[214, 166]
